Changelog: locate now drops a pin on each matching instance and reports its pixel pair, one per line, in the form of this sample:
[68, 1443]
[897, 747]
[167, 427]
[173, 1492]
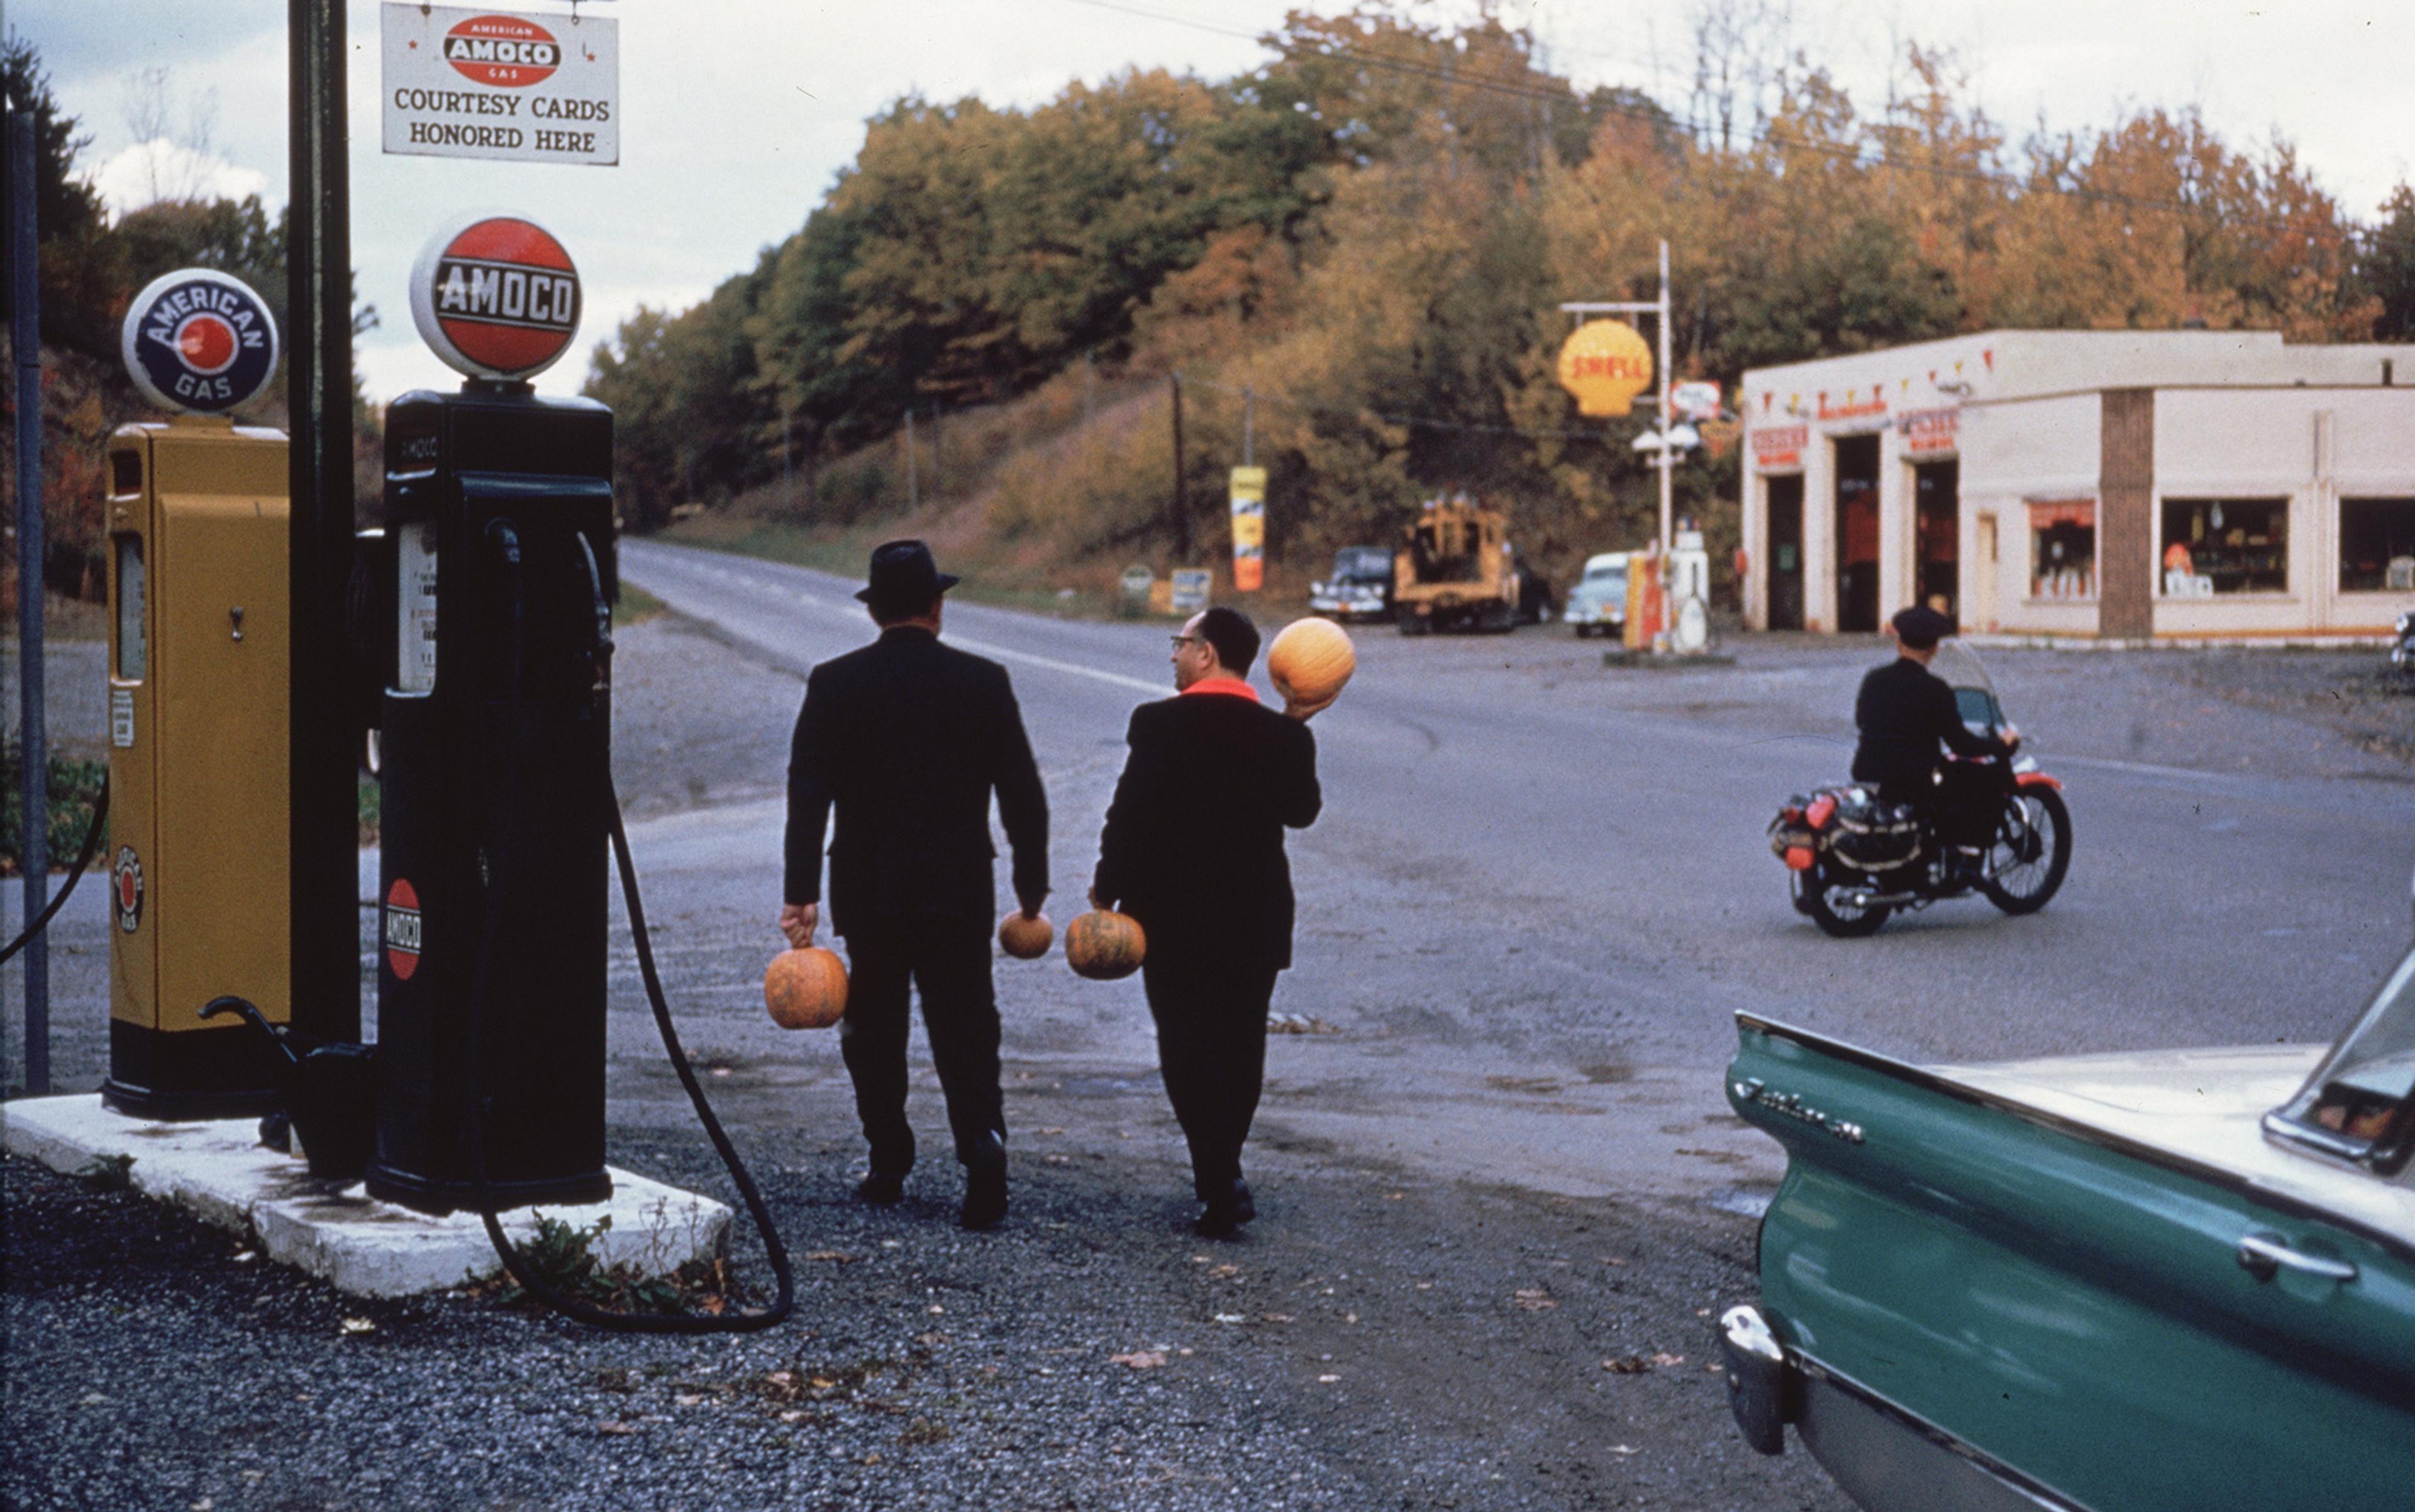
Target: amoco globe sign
[199, 339]
[495, 296]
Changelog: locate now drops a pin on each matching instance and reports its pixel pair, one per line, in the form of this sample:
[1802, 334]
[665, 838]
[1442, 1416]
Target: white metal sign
[491, 83]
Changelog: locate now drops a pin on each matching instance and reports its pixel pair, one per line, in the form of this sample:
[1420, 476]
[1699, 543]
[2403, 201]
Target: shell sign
[1605, 364]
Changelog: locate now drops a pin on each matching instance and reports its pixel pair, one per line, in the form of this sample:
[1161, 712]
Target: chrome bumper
[1886, 1457]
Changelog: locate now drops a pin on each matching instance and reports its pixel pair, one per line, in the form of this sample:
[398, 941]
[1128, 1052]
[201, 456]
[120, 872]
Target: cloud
[150, 172]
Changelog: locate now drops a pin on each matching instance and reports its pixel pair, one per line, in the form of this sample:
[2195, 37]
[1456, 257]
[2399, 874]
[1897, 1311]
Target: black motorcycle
[2402, 645]
[1854, 857]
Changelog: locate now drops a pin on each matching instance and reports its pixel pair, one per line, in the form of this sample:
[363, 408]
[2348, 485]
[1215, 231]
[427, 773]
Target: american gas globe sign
[495, 296]
[199, 339]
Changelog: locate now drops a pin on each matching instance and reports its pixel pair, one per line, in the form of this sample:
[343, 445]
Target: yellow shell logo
[1605, 365]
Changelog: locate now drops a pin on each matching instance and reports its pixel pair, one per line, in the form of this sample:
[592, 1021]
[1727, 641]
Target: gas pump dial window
[133, 653]
[415, 562]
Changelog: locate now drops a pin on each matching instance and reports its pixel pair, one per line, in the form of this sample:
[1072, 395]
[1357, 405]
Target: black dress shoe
[984, 1183]
[1244, 1207]
[883, 1189]
[1219, 1222]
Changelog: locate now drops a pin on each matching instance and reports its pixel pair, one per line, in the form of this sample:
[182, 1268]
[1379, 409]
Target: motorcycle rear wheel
[2032, 851]
[1835, 916]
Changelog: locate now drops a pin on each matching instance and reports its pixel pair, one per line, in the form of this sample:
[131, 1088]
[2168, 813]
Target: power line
[1418, 422]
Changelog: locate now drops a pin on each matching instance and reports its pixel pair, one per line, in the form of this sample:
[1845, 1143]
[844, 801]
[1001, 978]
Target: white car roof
[1606, 559]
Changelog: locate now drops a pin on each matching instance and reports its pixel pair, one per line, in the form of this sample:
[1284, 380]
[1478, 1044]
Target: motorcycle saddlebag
[1871, 834]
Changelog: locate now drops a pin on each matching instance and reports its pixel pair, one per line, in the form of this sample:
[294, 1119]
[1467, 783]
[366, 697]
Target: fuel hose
[506, 541]
[83, 859]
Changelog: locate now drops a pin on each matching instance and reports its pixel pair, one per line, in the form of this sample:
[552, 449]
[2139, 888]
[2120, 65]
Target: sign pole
[25, 334]
[326, 844]
[1667, 420]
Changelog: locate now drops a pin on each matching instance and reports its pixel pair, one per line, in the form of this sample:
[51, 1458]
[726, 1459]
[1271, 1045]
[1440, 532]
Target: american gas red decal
[402, 929]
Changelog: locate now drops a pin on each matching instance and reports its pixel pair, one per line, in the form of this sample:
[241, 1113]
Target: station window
[2062, 548]
[2225, 545]
[2377, 545]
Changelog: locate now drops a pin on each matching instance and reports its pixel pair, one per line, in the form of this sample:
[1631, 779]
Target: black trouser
[1211, 1049]
[948, 960]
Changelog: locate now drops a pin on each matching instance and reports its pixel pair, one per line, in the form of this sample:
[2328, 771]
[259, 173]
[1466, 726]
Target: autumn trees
[1367, 236]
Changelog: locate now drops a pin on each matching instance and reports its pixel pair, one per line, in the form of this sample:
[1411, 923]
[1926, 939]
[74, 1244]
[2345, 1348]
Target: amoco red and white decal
[495, 296]
[403, 928]
[507, 52]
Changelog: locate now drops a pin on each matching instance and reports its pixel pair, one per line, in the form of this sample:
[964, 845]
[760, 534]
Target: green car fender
[2069, 1306]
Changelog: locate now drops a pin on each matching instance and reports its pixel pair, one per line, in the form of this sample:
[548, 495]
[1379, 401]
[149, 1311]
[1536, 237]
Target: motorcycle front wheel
[1824, 898]
[2032, 852]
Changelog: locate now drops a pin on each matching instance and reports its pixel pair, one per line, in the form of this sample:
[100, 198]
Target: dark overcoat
[1194, 843]
[905, 741]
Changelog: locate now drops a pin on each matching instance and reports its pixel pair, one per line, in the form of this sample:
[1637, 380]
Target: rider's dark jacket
[1903, 710]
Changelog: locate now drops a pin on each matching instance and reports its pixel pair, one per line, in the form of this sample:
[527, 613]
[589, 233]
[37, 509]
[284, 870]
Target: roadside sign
[199, 339]
[495, 296]
[489, 84]
[1190, 586]
[1249, 495]
[1695, 399]
[1135, 581]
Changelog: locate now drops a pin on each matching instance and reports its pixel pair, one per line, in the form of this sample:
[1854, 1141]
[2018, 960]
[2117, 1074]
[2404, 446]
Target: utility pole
[787, 472]
[324, 768]
[1248, 424]
[1182, 502]
[25, 335]
[913, 485]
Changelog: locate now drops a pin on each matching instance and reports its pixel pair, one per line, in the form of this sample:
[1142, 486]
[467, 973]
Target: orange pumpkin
[1026, 939]
[1311, 661]
[805, 989]
[1104, 946]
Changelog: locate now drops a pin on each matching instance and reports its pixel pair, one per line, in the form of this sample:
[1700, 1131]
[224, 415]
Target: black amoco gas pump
[498, 816]
[495, 744]
[198, 777]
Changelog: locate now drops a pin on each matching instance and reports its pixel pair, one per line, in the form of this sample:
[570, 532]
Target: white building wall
[2016, 453]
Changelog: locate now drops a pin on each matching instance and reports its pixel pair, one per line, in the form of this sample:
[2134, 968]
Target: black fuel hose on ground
[83, 859]
[489, 936]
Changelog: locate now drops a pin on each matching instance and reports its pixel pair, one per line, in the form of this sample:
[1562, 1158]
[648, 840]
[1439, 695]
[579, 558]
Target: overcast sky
[735, 113]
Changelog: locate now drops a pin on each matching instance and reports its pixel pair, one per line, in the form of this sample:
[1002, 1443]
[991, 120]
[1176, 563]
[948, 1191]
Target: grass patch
[75, 787]
[635, 606]
[564, 1258]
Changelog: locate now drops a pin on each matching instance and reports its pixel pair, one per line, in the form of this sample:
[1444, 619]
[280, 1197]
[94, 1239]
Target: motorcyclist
[1903, 710]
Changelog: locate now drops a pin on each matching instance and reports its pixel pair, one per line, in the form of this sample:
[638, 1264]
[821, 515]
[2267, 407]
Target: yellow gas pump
[197, 861]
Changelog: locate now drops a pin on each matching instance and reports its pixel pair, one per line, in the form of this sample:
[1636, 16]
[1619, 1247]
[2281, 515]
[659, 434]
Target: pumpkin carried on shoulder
[805, 989]
[1104, 946]
[1311, 661]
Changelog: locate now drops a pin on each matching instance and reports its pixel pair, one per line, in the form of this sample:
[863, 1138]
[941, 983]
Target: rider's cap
[1920, 627]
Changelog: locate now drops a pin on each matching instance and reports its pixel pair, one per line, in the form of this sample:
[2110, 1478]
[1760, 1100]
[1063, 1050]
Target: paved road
[1541, 890]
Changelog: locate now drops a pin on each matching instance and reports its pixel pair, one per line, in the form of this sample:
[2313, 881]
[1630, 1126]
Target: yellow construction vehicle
[1458, 572]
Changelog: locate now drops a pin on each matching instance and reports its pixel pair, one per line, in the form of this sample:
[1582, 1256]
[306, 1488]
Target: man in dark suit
[906, 740]
[1193, 849]
[1904, 711]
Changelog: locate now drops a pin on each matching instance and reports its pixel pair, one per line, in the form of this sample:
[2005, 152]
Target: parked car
[1359, 587]
[2177, 1280]
[1598, 602]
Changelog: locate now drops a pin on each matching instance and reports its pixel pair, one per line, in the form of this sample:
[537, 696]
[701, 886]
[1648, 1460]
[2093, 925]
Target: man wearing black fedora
[903, 742]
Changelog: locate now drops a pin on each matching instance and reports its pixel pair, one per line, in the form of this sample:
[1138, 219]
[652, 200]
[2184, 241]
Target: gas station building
[2129, 486]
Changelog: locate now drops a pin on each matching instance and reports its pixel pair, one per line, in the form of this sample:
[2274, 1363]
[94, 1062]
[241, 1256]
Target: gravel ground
[1372, 1342]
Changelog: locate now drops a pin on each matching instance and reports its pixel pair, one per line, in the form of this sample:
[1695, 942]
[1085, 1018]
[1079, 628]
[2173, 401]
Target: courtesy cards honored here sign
[490, 84]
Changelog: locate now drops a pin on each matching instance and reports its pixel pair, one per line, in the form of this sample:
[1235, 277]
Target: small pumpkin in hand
[1026, 938]
[1104, 946]
[805, 989]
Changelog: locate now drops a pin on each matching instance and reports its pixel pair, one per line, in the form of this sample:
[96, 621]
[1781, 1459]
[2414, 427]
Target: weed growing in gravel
[564, 1258]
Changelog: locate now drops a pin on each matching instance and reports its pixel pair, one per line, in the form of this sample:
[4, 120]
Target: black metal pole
[25, 335]
[325, 838]
[1182, 500]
